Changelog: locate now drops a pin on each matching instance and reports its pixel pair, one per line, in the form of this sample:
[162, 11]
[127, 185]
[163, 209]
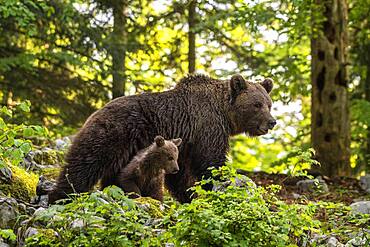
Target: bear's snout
[271, 124]
[175, 170]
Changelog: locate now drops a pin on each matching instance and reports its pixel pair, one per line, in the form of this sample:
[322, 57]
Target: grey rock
[3, 244]
[153, 222]
[9, 210]
[62, 144]
[313, 185]
[318, 239]
[40, 201]
[241, 181]
[169, 245]
[362, 207]
[30, 232]
[5, 174]
[359, 240]
[44, 186]
[333, 242]
[296, 196]
[365, 183]
[78, 223]
[40, 211]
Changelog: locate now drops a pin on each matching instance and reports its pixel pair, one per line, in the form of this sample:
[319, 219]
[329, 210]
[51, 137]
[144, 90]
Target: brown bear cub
[144, 175]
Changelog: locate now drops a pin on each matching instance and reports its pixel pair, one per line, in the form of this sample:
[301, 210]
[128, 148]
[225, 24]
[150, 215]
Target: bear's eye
[170, 158]
[258, 104]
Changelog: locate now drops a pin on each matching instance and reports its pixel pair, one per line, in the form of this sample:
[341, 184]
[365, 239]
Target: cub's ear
[159, 140]
[177, 141]
[237, 84]
[268, 84]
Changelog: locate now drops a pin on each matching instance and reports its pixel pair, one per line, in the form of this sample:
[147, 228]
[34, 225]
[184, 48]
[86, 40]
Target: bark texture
[367, 97]
[191, 35]
[118, 50]
[330, 113]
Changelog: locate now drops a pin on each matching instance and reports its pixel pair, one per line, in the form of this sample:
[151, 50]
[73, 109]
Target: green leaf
[8, 234]
[6, 111]
[18, 142]
[25, 147]
[28, 131]
[25, 106]
[2, 124]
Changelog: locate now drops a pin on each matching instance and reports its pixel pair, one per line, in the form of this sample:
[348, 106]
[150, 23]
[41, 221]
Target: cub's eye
[258, 104]
[170, 158]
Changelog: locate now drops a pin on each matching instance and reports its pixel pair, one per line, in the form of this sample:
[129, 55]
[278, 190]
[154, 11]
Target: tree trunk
[118, 50]
[330, 126]
[367, 97]
[191, 34]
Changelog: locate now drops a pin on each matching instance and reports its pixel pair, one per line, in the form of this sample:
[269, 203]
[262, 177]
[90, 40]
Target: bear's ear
[268, 84]
[237, 84]
[177, 141]
[159, 140]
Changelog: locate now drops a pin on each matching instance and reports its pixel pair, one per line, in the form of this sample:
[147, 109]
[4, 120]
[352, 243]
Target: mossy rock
[153, 207]
[22, 184]
[47, 236]
[51, 173]
[48, 156]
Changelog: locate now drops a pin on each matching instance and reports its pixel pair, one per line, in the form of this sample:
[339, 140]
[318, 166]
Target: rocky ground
[23, 196]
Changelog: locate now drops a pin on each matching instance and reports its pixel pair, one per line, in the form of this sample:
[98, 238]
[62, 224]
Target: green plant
[13, 138]
[297, 161]
[8, 235]
[245, 215]
[105, 218]
[240, 216]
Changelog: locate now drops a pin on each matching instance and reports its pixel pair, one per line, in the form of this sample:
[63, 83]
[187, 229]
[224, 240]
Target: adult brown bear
[200, 110]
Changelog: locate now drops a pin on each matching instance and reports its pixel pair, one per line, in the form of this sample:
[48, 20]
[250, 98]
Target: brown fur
[200, 110]
[144, 175]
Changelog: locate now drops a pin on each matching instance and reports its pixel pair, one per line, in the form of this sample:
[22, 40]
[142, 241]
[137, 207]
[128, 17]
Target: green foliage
[13, 142]
[243, 215]
[338, 219]
[360, 116]
[297, 161]
[239, 215]
[105, 218]
[8, 235]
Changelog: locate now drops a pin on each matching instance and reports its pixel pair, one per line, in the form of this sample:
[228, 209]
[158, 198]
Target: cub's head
[250, 106]
[167, 154]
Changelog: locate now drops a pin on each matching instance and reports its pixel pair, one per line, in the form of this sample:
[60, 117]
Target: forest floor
[341, 190]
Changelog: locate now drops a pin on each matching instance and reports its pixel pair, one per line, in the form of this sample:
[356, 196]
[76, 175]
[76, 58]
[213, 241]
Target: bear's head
[167, 154]
[250, 106]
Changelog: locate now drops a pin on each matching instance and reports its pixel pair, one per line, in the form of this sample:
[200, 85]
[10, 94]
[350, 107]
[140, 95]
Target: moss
[49, 157]
[22, 185]
[51, 173]
[152, 206]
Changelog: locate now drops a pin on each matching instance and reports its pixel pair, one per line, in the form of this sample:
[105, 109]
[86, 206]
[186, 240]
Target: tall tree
[191, 34]
[330, 124]
[47, 55]
[118, 48]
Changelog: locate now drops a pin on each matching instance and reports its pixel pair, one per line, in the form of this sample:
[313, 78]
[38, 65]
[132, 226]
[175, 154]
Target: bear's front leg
[130, 186]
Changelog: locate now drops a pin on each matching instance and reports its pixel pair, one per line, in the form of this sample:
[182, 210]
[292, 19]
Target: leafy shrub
[14, 144]
[246, 215]
[8, 235]
[240, 216]
[297, 161]
[105, 218]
